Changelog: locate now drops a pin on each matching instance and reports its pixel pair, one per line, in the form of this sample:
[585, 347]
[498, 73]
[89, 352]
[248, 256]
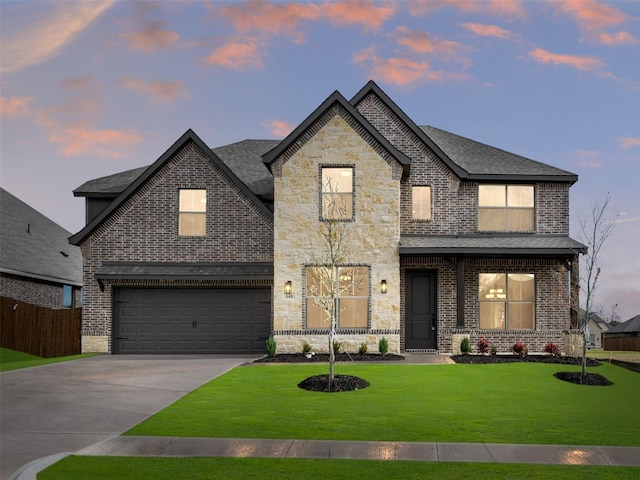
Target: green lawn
[135, 468]
[13, 360]
[504, 403]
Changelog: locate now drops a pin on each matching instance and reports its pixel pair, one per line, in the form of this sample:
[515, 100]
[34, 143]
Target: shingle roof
[185, 271]
[630, 326]
[111, 185]
[481, 161]
[490, 245]
[34, 246]
[245, 160]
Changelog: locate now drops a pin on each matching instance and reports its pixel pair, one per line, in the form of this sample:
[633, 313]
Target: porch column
[460, 293]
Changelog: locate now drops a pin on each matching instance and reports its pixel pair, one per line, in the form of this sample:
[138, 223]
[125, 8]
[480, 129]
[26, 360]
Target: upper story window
[337, 193]
[421, 203]
[349, 285]
[505, 208]
[192, 217]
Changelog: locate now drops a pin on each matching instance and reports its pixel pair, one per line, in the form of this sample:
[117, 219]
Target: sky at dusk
[93, 88]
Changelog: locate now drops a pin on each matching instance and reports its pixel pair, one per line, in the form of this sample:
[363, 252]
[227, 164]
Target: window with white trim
[192, 216]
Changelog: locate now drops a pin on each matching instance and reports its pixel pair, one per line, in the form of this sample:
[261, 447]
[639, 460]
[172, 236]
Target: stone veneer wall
[145, 229]
[372, 237]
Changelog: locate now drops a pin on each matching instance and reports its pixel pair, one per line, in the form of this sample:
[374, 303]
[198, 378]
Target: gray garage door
[177, 320]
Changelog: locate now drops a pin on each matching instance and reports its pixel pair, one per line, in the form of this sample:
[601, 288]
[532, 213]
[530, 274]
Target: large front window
[346, 288]
[192, 218]
[337, 193]
[507, 301]
[505, 208]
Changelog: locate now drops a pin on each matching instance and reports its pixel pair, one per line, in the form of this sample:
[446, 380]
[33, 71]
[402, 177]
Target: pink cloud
[158, 90]
[486, 30]
[584, 63]
[420, 41]
[279, 128]
[78, 83]
[402, 71]
[590, 14]
[613, 39]
[360, 12]
[628, 142]
[236, 56]
[11, 107]
[589, 159]
[498, 8]
[76, 141]
[153, 38]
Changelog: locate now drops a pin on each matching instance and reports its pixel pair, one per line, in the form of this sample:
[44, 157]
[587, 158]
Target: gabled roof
[469, 159]
[109, 186]
[32, 245]
[484, 162]
[372, 87]
[630, 326]
[244, 159]
[187, 137]
[336, 99]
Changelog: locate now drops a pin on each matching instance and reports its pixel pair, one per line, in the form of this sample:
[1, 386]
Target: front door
[420, 310]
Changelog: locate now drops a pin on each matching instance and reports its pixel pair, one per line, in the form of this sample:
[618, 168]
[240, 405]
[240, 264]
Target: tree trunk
[583, 372]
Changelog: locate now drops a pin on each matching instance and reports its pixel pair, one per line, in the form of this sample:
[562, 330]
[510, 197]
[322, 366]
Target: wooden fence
[40, 331]
[621, 343]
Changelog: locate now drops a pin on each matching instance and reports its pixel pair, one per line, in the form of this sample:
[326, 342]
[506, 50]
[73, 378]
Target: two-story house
[214, 250]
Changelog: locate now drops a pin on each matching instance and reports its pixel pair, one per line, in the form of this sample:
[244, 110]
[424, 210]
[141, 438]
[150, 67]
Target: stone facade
[373, 236]
[145, 229]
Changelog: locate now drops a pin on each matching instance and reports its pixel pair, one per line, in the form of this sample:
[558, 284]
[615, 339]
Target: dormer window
[505, 208]
[192, 218]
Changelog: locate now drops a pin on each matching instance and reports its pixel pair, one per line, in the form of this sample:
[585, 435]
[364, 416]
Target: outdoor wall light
[383, 286]
[288, 288]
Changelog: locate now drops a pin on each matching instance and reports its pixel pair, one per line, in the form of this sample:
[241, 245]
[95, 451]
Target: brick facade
[36, 292]
[145, 229]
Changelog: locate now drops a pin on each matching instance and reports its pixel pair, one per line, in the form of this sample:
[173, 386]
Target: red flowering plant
[483, 346]
[519, 349]
[552, 349]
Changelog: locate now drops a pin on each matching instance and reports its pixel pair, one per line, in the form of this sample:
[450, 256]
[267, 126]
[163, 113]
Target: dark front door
[420, 310]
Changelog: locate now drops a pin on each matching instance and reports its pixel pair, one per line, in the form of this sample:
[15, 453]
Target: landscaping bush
[483, 346]
[383, 346]
[337, 346]
[306, 348]
[552, 349]
[465, 345]
[494, 349]
[271, 347]
[519, 349]
[363, 348]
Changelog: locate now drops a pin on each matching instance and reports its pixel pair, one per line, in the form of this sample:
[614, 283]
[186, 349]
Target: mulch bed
[594, 379]
[487, 359]
[324, 358]
[341, 383]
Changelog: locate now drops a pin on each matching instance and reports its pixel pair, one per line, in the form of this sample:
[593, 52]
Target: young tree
[594, 232]
[331, 277]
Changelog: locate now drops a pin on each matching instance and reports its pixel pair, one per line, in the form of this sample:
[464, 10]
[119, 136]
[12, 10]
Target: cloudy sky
[93, 88]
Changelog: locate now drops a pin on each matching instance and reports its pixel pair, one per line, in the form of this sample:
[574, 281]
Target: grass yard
[194, 468]
[13, 360]
[504, 403]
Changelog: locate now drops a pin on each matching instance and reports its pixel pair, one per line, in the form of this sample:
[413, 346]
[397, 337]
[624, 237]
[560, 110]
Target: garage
[191, 320]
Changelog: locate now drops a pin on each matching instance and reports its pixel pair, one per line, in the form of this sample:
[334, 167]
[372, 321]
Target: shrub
[363, 348]
[465, 345]
[271, 347]
[383, 346]
[552, 349]
[483, 346]
[519, 349]
[306, 348]
[494, 349]
[336, 346]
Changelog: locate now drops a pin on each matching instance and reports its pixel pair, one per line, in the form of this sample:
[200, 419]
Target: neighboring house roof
[630, 326]
[484, 162]
[34, 246]
[188, 136]
[185, 271]
[490, 245]
[336, 99]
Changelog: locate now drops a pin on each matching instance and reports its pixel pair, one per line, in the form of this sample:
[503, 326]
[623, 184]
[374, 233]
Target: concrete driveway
[68, 406]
